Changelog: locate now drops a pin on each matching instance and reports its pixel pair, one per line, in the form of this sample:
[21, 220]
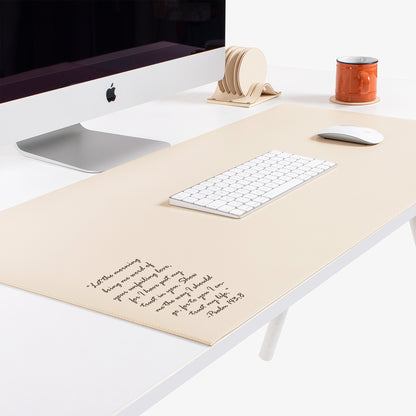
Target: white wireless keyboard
[251, 185]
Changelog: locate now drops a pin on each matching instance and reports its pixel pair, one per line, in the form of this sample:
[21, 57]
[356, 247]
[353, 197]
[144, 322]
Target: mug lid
[357, 60]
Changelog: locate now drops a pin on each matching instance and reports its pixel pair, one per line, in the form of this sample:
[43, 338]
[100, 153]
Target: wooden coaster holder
[243, 84]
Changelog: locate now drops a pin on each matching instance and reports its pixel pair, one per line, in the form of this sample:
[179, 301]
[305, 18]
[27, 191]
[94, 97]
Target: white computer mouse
[354, 134]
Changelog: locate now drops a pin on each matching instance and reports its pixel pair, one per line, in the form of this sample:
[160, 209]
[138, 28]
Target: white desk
[57, 359]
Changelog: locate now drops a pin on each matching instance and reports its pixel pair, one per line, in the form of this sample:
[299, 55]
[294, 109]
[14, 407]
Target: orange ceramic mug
[356, 79]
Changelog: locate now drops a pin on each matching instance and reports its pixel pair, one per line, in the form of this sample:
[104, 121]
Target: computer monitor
[64, 61]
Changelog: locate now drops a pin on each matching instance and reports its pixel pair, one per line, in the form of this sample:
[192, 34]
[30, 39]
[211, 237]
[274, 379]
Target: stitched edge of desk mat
[69, 244]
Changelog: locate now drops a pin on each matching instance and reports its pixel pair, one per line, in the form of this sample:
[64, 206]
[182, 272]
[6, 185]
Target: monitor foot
[89, 151]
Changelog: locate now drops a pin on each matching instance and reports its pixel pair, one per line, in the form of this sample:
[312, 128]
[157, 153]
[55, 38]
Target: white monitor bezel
[42, 113]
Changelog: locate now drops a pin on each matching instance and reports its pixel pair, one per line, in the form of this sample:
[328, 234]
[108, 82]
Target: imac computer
[63, 62]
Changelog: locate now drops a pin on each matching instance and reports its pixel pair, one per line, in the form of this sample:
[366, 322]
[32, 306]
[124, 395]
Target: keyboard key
[211, 181]
[261, 199]
[226, 208]
[181, 196]
[221, 176]
[213, 188]
[203, 202]
[221, 185]
[215, 204]
[199, 187]
[206, 192]
[283, 188]
[323, 166]
[314, 163]
[245, 207]
[220, 193]
[243, 191]
[237, 212]
[297, 171]
[263, 157]
[191, 191]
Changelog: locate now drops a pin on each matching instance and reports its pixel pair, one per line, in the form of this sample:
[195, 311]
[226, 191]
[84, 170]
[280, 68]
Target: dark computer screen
[49, 44]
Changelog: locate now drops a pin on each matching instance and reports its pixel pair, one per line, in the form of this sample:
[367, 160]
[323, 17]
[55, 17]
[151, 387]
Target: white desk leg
[272, 335]
[413, 227]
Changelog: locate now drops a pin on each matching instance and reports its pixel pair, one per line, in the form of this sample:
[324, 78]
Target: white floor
[342, 352]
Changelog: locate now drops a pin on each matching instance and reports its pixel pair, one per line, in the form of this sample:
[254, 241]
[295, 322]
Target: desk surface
[43, 354]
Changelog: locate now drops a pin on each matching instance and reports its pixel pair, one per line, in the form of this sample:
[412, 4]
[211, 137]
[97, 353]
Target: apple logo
[111, 94]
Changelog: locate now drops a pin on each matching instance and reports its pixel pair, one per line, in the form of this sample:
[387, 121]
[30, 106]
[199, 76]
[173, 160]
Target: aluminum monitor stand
[89, 151]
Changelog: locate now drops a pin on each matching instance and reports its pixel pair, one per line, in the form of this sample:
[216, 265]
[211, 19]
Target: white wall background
[348, 348]
[313, 33]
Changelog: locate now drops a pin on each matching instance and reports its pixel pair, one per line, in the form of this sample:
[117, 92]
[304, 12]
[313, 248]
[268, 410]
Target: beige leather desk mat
[112, 243]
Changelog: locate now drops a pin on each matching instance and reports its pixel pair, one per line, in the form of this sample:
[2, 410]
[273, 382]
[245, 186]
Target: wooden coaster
[237, 70]
[229, 50]
[334, 100]
[230, 69]
[221, 83]
[252, 69]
